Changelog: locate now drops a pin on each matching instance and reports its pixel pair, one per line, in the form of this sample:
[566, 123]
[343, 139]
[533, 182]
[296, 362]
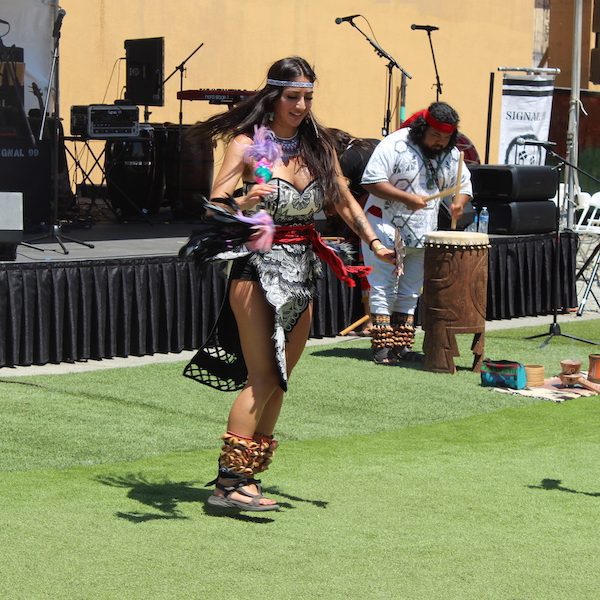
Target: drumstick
[447, 192]
[458, 180]
[354, 325]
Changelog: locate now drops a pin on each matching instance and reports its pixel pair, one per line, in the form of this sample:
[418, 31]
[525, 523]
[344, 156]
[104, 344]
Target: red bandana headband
[431, 121]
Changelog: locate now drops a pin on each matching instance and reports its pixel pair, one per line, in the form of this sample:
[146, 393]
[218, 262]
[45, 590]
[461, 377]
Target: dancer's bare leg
[254, 318]
[294, 348]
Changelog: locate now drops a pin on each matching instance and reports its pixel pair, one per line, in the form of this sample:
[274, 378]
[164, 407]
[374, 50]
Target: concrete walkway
[542, 322]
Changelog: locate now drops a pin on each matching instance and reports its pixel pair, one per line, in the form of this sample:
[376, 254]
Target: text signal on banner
[525, 118]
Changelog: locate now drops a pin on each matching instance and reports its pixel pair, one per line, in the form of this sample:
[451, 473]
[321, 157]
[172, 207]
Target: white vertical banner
[526, 111]
[28, 27]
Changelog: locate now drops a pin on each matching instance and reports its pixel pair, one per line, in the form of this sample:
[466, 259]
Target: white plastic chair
[589, 219]
[588, 229]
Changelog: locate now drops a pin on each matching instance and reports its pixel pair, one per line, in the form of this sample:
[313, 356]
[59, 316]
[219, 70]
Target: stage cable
[110, 79]
[7, 31]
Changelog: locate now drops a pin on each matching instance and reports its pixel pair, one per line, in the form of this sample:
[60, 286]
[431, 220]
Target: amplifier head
[105, 121]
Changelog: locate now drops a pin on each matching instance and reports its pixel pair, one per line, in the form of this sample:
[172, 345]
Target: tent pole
[573, 127]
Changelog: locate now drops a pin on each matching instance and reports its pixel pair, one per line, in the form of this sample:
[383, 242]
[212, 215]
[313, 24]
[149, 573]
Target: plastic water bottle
[484, 220]
[473, 226]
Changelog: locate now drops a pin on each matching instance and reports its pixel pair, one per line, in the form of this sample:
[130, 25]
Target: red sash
[296, 234]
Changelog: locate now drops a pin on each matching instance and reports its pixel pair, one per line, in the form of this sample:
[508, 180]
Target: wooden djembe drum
[454, 296]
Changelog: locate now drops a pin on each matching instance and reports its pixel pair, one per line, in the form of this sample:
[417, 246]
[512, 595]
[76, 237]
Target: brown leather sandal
[235, 484]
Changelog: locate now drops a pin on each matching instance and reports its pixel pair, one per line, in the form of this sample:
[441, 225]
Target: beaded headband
[298, 84]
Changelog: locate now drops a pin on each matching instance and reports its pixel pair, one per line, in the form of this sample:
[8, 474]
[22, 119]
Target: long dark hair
[342, 140]
[316, 145]
[442, 112]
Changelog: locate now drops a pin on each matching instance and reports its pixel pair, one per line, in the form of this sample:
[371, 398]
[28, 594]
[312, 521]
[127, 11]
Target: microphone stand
[438, 85]
[390, 66]
[181, 69]
[55, 231]
[596, 252]
[554, 329]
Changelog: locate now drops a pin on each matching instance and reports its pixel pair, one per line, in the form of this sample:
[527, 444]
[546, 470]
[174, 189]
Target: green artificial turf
[394, 483]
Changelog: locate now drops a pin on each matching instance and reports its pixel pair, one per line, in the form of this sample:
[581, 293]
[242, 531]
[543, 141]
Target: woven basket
[535, 375]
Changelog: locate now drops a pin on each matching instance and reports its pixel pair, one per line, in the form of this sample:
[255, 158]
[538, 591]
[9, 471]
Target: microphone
[60, 15]
[424, 27]
[528, 142]
[343, 19]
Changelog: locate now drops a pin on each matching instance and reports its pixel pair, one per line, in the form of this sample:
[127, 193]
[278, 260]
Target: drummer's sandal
[385, 356]
[406, 355]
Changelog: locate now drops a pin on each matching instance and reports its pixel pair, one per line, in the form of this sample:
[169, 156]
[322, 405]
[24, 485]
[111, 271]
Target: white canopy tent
[30, 24]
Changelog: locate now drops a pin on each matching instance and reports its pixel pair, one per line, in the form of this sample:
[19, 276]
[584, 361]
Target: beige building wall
[243, 37]
[560, 52]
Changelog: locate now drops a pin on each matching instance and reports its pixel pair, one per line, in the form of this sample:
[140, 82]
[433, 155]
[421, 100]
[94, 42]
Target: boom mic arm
[530, 142]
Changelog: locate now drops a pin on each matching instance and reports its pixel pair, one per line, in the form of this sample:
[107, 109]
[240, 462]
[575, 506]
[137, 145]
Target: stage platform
[131, 295]
[112, 241]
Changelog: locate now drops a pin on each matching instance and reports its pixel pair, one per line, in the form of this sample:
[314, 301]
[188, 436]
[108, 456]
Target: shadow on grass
[554, 484]
[362, 354]
[164, 497]
[276, 491]
[25, 383]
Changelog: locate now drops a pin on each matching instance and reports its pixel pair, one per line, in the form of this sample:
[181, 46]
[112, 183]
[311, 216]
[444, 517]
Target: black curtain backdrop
[68, 311]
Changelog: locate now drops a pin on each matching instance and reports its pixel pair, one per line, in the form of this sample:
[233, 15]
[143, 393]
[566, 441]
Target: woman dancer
[270, 293]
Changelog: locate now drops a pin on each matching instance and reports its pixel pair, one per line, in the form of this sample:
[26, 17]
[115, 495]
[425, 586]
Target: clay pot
[570, 366]
[594, 370]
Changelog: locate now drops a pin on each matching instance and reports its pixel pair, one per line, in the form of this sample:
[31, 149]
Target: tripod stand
[554, 329]
[387, 117]
[55, 232]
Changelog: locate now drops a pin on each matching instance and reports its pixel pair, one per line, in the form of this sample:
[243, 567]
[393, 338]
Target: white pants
[385, 297]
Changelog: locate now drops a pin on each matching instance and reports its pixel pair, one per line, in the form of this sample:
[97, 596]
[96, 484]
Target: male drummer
[408, 166]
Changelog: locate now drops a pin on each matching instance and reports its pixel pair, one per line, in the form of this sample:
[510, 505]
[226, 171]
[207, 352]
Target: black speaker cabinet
[513, 182]
[11, 224]
[144, 61]
[595, 64]
[516, 218]
[25, 168]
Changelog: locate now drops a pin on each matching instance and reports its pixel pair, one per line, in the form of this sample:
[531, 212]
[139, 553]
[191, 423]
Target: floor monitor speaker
[514, 182]
[517, 218]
